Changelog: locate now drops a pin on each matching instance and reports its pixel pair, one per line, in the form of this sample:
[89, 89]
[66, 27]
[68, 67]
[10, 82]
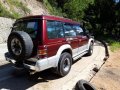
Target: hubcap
[16, 46]
[66, 64]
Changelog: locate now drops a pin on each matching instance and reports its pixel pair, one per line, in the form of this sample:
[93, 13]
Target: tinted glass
[54, 29]
[69, 31]
[30, 27]
[59, 29]
[78, 29]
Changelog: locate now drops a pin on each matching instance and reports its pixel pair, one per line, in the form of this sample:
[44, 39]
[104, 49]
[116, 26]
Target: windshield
[30, 27]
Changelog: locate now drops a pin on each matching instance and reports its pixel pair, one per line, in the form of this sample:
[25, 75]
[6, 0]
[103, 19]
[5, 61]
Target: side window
[54, 29]
[69, 31]
[79, 30]
[59, 29]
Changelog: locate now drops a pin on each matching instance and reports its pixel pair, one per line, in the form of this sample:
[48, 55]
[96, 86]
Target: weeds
[12, 13]
[113, 43]
[53, 10]
[4, 12]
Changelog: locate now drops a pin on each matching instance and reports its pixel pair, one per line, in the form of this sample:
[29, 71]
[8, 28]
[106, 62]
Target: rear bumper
[37, 66]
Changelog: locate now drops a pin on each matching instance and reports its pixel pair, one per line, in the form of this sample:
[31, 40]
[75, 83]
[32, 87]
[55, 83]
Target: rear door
[70, 35]
[55, 36]
[82, 38]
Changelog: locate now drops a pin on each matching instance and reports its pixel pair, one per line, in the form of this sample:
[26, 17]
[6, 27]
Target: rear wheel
[65, 63]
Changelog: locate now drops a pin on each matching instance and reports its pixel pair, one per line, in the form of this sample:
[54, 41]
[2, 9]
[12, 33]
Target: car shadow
[16, 79]
[22, 79]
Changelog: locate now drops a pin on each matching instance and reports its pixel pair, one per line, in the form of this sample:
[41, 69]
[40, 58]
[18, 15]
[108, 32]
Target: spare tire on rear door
[20, 45]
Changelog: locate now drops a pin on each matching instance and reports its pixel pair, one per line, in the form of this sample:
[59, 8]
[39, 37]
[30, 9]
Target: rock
[1, 40]
[5, 28]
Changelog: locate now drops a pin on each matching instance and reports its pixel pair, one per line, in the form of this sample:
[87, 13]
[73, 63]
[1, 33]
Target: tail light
[42, 52]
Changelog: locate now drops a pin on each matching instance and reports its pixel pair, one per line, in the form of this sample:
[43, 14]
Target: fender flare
[60, 50]
[90, 40]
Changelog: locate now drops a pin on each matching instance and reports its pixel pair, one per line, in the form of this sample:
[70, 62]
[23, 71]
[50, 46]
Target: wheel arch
[68, 50]
[90, 40]
[62, 49]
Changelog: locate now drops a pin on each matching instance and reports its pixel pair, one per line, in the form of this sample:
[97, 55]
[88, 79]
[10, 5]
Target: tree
[102, 16]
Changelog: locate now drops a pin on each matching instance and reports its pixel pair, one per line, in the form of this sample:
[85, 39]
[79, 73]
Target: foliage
[4, 12]
[103, 19]
[75, 8]
[115, 46]
[52, 8]
[12, 13]
[16, 3]
[103, 16]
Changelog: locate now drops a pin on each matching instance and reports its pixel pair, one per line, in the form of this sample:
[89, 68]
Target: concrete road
[3, 50]
[46, 80]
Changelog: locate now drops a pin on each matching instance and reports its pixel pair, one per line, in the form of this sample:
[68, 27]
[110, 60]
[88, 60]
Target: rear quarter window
[54, 29]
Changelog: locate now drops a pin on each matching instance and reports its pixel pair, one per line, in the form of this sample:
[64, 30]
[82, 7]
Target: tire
[90, 51]
[84, 85]
[64, 64]
[20, 45]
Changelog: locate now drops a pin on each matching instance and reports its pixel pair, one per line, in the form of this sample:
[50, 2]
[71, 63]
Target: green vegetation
[13, 4]
[4, 12]
[16, 3]
[115, 46]
[52, 9]
[73, 9]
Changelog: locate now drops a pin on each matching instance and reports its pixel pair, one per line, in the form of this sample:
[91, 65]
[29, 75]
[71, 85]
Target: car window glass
[30, 27]
[78, 29]
[54, 29]
[59, 29]
[69, 31]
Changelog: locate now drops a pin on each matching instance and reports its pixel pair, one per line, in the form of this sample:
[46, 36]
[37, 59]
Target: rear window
[30, 27]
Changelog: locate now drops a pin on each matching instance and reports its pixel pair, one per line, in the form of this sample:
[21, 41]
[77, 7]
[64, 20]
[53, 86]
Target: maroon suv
[42, 42]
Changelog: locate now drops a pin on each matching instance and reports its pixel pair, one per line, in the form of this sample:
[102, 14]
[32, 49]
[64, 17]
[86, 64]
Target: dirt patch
[108, 78]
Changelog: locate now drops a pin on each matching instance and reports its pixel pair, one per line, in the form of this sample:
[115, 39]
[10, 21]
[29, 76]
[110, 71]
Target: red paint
[53, 45]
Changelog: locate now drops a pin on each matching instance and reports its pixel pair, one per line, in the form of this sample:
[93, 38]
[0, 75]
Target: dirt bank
[108, 78]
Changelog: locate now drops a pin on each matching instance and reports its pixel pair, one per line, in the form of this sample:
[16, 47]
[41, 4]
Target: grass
[19, 4]
[12, 13]
[114, 44]
[4, 12]
[53, 10]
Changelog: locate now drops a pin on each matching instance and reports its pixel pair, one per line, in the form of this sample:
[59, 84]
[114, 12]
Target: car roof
[49, 17]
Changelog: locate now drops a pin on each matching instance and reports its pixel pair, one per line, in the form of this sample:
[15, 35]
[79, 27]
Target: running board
[80, 55]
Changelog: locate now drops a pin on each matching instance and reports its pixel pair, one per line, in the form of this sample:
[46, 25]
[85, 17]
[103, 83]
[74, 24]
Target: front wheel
[65, 63]
[90, 51]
